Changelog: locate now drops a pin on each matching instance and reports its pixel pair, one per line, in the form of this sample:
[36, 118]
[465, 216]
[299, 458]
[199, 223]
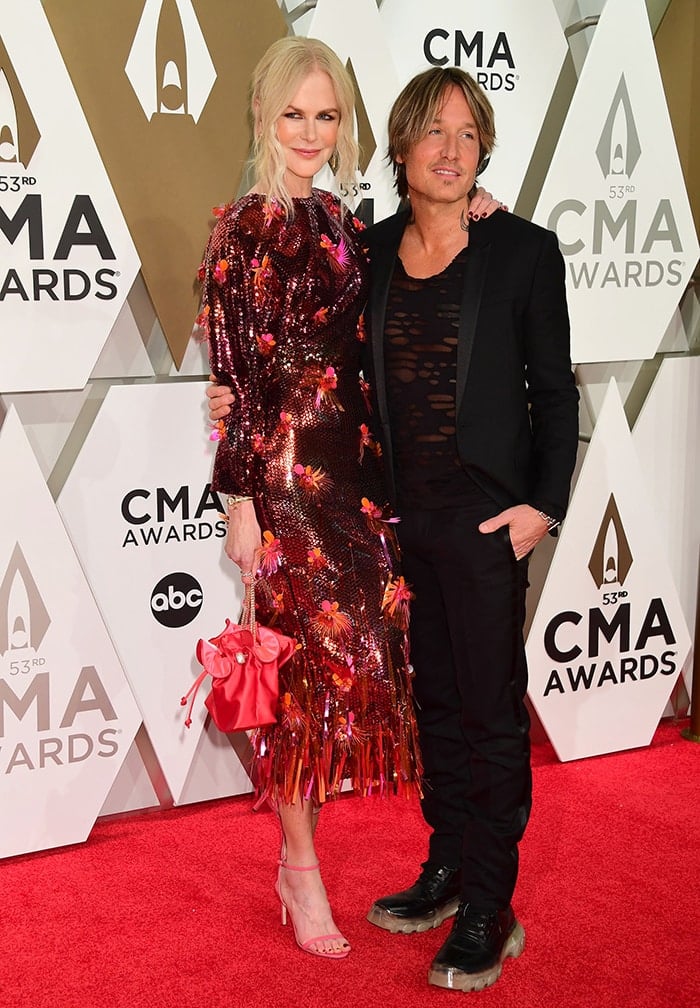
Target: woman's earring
[333, 161]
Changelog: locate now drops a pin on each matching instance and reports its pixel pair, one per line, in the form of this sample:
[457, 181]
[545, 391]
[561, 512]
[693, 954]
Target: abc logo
[176, 599]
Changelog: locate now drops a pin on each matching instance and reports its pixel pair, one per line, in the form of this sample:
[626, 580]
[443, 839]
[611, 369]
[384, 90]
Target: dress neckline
[315, 195]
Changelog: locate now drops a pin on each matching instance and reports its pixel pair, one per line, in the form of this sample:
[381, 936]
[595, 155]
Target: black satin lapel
[474, 276]
[382, 261]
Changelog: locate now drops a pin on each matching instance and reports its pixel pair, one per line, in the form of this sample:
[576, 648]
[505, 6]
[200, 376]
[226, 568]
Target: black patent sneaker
[472, 957]
[426, 904]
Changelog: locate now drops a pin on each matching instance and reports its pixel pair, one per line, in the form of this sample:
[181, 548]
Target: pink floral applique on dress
[218, 432]
[272, 211]
[266, 343]
[270, 554]
[285, 424]
[338, 255]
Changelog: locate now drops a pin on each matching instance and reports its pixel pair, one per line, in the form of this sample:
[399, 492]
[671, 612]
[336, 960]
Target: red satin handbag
[243, 662]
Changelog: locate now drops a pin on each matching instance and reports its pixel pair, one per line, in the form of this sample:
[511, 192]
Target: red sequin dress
[282, 303]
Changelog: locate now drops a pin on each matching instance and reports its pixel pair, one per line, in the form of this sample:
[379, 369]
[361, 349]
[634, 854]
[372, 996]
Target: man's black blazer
[517, 402]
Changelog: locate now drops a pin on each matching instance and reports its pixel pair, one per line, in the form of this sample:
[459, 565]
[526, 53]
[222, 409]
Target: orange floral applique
[202, 322]
[381, 526]
[221, 271]
[367, 442]
[329, 621]
[291, 714]
[366, 390]
[271, 211]
[346, 734]
[315, 559]
[262, 271]
[397, 597]
[343, 676]
[370, 509]
[314, 482]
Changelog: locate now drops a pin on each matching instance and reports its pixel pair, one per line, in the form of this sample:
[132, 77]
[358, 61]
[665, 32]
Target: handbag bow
[244, 663]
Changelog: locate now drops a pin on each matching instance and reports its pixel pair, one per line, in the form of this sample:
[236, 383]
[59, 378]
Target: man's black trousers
[471, 678]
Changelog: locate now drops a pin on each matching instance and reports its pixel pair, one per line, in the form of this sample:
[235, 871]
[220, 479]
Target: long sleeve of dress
[239, 316]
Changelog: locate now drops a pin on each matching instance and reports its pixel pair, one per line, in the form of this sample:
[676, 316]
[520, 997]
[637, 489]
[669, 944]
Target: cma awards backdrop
[121, 128]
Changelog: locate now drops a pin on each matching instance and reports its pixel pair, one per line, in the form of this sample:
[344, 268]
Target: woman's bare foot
[302, 893]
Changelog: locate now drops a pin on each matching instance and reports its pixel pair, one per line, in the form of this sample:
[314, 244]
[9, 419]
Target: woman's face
[308, 130]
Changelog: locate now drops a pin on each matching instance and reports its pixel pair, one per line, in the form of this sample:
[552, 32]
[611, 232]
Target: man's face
[441, 167]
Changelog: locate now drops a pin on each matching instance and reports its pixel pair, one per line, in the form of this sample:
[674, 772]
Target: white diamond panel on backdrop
[67, 714]
[615, 195]
[149, 532]
[67, 261]
[501, 45]
[667, 439]
[609, 638]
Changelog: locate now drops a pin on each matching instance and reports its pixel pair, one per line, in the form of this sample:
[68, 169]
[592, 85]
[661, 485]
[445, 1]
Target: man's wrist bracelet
[551, 522]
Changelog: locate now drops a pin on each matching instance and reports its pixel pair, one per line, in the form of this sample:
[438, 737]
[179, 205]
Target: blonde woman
[285, 282]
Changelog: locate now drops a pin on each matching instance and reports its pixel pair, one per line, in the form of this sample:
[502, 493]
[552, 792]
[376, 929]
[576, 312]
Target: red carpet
[177, 908]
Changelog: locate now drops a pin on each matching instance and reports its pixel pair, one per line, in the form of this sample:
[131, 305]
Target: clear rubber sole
[411, 925]
[456, 979]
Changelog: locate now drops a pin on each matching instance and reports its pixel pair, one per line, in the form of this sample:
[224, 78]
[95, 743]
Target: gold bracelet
[233, 500]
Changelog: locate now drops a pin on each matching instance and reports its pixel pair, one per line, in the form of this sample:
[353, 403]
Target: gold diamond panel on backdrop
[173, 154]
